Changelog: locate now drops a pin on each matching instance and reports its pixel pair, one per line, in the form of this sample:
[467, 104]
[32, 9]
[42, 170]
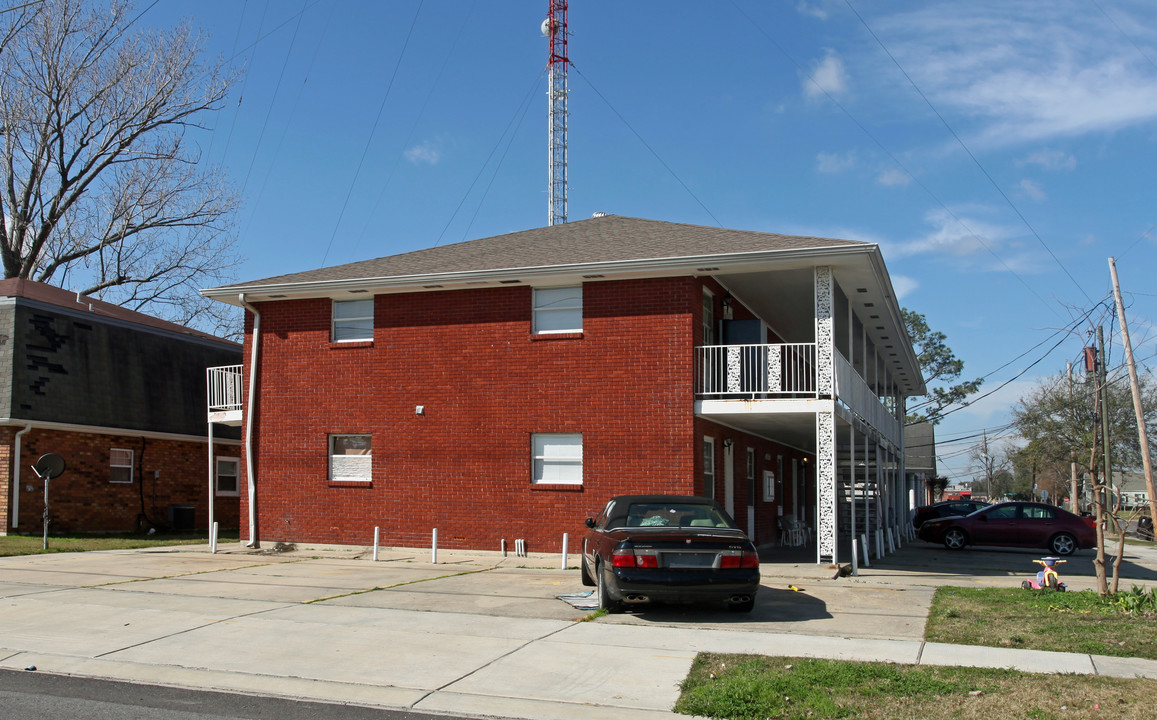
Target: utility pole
[1074, 486]
[1142, 433]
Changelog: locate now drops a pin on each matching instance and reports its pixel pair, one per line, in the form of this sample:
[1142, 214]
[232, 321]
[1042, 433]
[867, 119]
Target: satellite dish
[49, 466]
[548, 26]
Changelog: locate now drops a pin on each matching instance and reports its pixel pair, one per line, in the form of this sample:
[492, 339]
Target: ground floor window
[228, 471]
[558, 458]
[350, 458]
[120, 465]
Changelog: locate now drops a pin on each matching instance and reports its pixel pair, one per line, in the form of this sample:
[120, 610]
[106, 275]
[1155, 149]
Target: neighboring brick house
[119, 395]
[505, 388]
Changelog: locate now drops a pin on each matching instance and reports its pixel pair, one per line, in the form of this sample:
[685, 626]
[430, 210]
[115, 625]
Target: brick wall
[84, 500]
[487, 384]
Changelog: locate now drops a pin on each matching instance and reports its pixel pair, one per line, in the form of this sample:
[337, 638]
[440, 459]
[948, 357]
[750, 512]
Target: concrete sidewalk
[475, 634]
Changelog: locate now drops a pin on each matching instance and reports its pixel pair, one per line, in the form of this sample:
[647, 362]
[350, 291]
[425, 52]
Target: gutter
[251, 478]
[16, 477]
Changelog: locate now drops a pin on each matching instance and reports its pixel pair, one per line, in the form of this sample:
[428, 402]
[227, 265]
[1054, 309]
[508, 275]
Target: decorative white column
[825, 421]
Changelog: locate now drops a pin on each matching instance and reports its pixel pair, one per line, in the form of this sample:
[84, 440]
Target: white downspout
[16, 478]
[254, 541]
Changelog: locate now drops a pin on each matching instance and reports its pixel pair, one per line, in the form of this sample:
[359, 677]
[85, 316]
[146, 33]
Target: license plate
[689, 560]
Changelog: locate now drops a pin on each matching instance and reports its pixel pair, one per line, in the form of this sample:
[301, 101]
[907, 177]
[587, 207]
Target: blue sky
[999, 151]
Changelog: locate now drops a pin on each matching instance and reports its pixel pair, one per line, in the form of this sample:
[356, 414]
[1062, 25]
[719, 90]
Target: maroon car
[1024, 524]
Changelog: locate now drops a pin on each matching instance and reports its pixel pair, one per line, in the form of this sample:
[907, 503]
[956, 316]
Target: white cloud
[819, 10]
[1013, 72]
[955, 235]
[892, 177]
[904, 285]
[1034, 191]
[828, 77]
[835, 162]
[424, 153]
[1050, 160]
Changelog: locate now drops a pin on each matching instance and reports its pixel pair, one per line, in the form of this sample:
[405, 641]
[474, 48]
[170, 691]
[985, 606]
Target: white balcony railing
[756, 371]
[857, 395]
[226, 390]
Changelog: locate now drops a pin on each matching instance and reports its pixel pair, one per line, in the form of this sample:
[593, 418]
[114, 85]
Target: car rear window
[675, 515]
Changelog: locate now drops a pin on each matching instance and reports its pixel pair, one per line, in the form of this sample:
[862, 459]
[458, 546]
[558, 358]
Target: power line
[967, 150]
[871, 136]
[373, 131]
[648, 146]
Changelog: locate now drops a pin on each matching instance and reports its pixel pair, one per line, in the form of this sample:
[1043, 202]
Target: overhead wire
[292, 112]
[519, 111]
[414, 126]
[967, 150]
[373, 131]
[647, 145]
[871, 136]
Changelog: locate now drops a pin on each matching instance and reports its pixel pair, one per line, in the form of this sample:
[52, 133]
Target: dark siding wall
[7, 320]
[82, 370]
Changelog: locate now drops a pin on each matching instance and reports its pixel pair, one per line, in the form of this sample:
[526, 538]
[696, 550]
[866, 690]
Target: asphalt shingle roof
[607, 238]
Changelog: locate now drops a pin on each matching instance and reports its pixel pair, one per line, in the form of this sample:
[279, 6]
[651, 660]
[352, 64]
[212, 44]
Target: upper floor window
[558, 310]
[558, 458]
[352, 320]
[120, 465]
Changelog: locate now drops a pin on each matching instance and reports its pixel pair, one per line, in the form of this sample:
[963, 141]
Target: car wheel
[739, 607]
[1063, 544]
[586, 574]
[606, 602]
[955, 539]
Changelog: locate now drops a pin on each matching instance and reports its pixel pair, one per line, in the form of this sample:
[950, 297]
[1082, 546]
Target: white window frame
[344, 471]
[115, 454]
[709, 466]
[556, 459]
[217, 476]
[345, 329]
[556, 306]
[769, 480]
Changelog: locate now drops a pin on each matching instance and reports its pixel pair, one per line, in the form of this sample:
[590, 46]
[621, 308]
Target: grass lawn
[1079, 622]
[743, 687]
[747, 687]
[33, 544]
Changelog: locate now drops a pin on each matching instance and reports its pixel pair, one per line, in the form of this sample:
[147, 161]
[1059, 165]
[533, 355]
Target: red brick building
[121, 397]
[505, 388]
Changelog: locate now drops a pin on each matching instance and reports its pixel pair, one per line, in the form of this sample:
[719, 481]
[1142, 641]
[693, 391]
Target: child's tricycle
[1047, 577]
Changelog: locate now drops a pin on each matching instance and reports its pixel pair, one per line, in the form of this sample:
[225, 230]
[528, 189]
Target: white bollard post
[891, 545]
[434, 547]
[855, 564]
[503, 546]
[866, 549]
[213, 538]
[564, 543]
[879, 544]
[377, 536]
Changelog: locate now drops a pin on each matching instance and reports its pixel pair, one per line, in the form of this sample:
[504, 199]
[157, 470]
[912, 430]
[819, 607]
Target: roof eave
[654, 267]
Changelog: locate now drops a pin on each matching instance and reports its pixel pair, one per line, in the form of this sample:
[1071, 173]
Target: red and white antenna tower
[555, 27]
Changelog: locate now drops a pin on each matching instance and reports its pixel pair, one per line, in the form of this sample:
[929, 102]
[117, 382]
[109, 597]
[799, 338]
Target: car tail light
[628, 558]
[747, 559]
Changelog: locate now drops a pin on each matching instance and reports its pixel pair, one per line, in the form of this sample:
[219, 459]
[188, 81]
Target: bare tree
[101, 190]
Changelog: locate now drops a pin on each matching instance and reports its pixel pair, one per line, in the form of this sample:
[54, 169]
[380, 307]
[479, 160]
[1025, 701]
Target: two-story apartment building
[120, 396]
[504, 388]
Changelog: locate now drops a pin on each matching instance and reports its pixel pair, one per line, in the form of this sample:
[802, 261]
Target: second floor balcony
[785, 371]
[226, 393]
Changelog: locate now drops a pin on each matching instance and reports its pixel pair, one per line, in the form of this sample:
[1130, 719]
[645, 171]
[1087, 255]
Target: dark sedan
[948, 508]
[1023, 524]
[668, 548]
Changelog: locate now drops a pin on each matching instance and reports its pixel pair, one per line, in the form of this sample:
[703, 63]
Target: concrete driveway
[472, 634]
